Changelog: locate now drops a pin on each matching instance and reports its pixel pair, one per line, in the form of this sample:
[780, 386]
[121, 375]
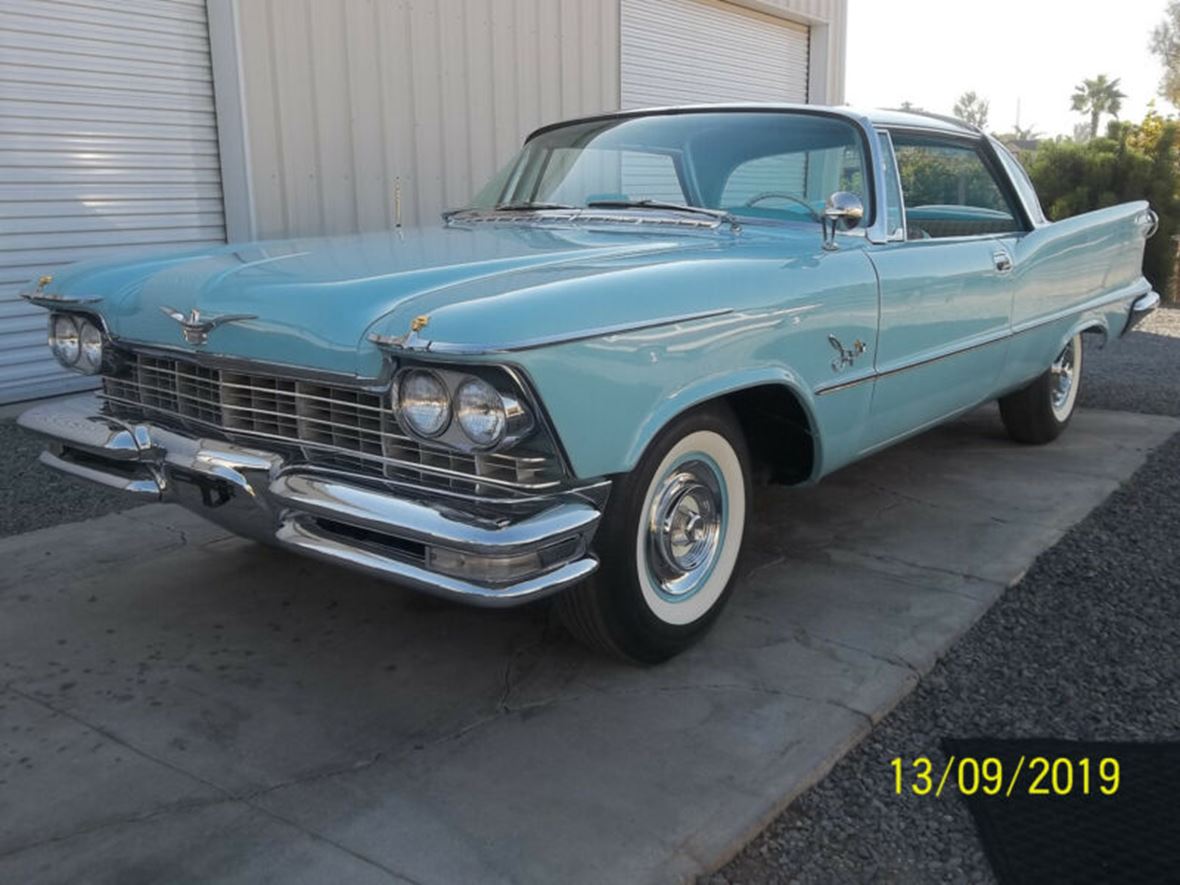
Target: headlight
[63, 340]
[90, 341]
[423, 403]
[480, 412]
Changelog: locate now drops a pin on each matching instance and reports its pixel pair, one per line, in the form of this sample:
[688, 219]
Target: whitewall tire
[669, 542]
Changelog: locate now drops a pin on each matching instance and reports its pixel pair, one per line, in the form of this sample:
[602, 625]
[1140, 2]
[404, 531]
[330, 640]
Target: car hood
[316, 302]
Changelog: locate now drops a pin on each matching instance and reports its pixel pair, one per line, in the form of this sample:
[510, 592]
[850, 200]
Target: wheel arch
[774, 410]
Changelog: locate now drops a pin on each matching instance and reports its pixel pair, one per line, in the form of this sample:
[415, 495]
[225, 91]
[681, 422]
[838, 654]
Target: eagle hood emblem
[195, 328]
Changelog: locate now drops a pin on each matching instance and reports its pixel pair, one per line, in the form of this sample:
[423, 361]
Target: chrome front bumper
[435, 546]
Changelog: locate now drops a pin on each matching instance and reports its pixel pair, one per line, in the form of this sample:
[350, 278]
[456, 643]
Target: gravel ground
[33, 497]
[1083, 648]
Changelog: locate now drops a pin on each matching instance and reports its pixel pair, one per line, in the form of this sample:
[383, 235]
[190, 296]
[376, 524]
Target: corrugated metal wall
[346, 98]
[108, 139]
[752, 56]
[829, 38]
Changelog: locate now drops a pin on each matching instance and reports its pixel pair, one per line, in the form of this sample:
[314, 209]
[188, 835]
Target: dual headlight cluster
[430, 408]
[77, 342]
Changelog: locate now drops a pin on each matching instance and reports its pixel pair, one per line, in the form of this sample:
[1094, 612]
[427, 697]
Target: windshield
[778, 166]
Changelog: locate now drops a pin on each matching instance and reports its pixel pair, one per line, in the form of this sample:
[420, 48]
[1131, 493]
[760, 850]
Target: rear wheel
[1038, 413]
[669, 543]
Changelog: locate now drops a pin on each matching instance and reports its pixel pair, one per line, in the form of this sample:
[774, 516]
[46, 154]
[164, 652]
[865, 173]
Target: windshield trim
[859, 124]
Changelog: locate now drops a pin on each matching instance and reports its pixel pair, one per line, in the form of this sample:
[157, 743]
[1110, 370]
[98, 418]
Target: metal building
[154, 124]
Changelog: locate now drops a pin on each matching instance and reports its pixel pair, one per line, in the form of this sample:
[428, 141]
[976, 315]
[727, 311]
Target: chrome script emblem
[847, 356]
[195, 329]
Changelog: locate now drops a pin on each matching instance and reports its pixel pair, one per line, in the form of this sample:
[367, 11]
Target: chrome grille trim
[330, 425]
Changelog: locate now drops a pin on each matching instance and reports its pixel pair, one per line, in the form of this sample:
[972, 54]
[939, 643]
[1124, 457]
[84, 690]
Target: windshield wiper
[719, 214]
[525, 207]
[507, 207]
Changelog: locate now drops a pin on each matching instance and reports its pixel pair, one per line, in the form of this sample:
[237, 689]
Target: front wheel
[669, 543]
[1038, 413]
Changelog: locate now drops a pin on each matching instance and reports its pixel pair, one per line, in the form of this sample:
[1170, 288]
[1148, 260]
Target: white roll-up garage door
[687, 51]
[107, 140]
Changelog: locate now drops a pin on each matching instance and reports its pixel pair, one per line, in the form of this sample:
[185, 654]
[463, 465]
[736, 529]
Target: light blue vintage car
[571, 386]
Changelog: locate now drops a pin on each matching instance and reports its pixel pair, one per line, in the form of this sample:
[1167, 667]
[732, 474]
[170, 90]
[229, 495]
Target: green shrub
[1131, 162]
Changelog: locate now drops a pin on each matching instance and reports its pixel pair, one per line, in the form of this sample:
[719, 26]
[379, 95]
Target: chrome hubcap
[684, 528]
[1063, 375]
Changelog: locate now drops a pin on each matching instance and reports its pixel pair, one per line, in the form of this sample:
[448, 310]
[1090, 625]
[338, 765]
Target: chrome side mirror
[843, 211]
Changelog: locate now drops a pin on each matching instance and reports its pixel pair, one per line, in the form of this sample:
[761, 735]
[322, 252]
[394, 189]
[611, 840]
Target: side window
[949, 190]
[1022, 181]
[894, 216]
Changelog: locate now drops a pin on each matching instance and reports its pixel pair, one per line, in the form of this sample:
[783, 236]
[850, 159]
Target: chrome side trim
[412, 342]
[303, 537]
[993, 338]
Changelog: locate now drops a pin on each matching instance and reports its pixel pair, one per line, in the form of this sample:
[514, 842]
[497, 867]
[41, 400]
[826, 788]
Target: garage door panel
[89, 63]
[60, 76]
[184, 64]
[153, 150]
[750, 56]
[103, 213]
[109, 99]
[32, 244]
[106, 224]
[106, 190]
[108, 142]
[126, 15]
[50, 121]
[35, 23]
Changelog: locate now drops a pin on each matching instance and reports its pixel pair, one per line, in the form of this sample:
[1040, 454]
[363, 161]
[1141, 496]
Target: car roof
[918, 120]
[878, 117]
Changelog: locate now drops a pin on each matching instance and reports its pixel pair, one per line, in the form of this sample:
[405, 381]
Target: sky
[1029, 51]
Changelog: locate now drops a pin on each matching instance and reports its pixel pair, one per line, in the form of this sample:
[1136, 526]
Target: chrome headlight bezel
[78, 342]
[517, 423]
[65, 339]
[92, 348]
[397, 399]
[476, 401]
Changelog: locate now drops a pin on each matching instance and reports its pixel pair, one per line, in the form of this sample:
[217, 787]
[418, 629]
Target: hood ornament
[195, 329]
[847, 355]
[408, 341]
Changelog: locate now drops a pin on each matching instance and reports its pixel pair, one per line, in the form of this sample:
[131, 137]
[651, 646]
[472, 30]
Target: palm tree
[972, 109]
[1028, 133]
[1097, 97]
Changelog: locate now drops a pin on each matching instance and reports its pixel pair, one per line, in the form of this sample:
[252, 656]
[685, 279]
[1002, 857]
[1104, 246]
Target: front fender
[703, 390]
[607, 398]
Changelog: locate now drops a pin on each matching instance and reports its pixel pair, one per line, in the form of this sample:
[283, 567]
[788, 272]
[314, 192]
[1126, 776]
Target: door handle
[1003, 261]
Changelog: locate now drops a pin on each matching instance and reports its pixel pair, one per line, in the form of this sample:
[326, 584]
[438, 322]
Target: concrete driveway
[177, 705]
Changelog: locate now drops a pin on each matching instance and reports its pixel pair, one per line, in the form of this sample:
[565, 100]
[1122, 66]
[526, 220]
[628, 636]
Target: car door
[945, 291]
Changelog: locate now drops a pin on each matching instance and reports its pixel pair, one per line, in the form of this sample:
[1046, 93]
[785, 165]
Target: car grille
[333, 426]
